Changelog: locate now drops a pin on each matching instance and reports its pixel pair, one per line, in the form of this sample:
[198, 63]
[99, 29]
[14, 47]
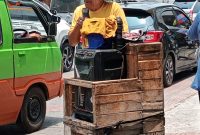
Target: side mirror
[163, 26]
[52, 29]
[53, 11]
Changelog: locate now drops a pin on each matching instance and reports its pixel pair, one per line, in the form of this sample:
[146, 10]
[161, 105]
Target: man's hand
[35, 35]
[80, 22]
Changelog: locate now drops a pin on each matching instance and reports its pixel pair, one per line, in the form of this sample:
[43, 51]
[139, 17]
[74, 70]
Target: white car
[23, 18]
[66, 49]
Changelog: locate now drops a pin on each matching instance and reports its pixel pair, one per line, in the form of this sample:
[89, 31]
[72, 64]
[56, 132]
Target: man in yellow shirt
[97, 9]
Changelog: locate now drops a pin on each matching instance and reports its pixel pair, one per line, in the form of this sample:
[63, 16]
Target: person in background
[97, 9]
[194, 34]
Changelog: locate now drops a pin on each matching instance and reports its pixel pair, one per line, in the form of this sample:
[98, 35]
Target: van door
[8, 101]
[30, 53]
[36, 59]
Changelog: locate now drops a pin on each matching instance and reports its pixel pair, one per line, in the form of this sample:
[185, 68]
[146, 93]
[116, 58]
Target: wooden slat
[150, 74]
[123, 87]
[149, 64]
[152, 113]
[149, 56]
[79, 126]
[112, 98]
[153, 106]
[68, 100]
[152, 47]
[114, 81]
[131, 59]
[77, 82]
[153, 95]
[118, 107]
[108, 120]
[152, 84]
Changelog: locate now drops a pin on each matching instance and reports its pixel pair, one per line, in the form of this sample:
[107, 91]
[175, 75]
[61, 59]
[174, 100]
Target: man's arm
[74, 34]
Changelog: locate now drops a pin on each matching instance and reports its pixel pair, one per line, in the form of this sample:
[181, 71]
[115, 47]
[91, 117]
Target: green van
[30, 69]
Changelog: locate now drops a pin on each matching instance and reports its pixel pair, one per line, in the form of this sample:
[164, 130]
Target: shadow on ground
[14, 130]
[183, 75]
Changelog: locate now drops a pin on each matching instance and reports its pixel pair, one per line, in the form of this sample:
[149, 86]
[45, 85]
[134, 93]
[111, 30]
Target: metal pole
[199, 95]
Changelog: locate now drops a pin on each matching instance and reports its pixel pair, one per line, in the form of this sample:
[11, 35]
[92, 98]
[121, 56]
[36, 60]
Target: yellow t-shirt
[105, 11]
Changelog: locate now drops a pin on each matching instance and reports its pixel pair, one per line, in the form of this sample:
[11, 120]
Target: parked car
[166, 23]
[191, 7]
[23, 18]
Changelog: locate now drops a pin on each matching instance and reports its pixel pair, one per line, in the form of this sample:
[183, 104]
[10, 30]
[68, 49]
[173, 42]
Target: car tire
[68, 55]
[168, 71]
[33, 111]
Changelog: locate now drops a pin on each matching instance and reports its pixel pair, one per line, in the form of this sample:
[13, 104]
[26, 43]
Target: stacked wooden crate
[126, 106]
[145, 63]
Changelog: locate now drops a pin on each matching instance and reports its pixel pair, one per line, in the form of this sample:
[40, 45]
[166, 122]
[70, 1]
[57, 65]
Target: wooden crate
[138, 97]
[113, 100]
[153, 125]
[145, 63]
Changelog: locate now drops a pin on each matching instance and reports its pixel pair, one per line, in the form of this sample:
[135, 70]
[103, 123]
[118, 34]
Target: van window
[25, 18]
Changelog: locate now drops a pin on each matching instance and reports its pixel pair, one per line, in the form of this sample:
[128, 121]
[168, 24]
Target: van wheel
[68, 55]
[33, 110]
[168, 71]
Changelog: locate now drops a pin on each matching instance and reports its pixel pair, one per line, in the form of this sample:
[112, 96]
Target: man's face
[93, 4]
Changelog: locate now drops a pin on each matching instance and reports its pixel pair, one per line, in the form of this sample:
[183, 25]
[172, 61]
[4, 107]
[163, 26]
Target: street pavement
[182, 111]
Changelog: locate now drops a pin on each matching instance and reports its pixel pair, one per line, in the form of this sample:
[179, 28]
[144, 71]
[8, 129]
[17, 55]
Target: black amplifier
[94, 65]
[97, 65]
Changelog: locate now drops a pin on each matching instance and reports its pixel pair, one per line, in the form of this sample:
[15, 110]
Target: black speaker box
[97, 65]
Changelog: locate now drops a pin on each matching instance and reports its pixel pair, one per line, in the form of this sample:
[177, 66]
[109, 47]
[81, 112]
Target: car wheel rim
[169, 71]
[34, 109]
[67, 57]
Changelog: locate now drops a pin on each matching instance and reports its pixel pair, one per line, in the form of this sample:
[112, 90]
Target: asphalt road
[182, 111]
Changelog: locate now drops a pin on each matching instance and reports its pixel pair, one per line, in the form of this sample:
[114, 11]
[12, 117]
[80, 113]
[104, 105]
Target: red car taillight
[153, 36]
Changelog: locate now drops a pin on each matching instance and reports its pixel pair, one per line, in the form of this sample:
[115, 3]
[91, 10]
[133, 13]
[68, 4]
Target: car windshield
[139, 20]
[184, 5]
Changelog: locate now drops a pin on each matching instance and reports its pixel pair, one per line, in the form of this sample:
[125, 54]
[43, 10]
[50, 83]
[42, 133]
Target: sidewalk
[184, 119]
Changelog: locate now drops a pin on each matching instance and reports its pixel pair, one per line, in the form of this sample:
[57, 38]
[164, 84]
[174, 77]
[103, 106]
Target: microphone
[85, 12]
